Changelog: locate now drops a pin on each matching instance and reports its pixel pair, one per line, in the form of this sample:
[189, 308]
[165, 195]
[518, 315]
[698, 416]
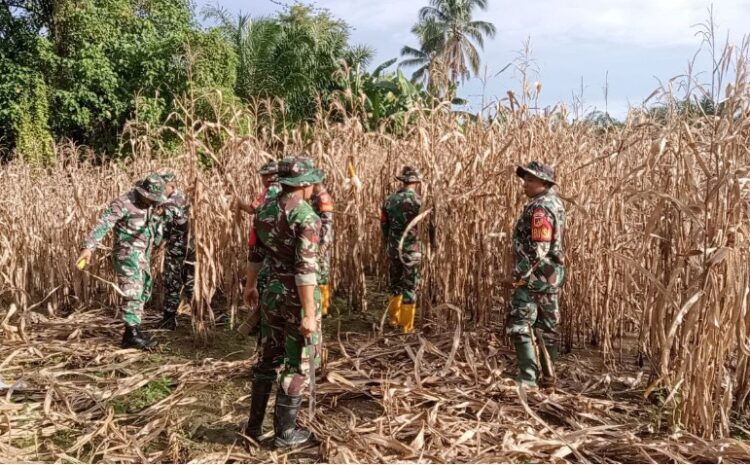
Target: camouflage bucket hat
[538, 170]
[152, 188]
[409, 175]
[269, 168]
[299, 172]
[168, 176]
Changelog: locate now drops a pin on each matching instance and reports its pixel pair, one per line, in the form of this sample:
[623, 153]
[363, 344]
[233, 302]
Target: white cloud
[644, 23]
[634, 40]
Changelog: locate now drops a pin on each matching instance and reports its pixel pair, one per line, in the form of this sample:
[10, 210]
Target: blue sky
[629, 43]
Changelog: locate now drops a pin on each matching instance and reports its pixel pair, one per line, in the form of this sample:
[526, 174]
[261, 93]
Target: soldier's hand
[83, 259]
[513, 284]
[309, 325]
[251, 297]
[238, 204]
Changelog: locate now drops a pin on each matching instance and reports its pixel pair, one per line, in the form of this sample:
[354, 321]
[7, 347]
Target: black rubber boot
[134, 337]
[258, 403]
[285, 422]
[168, 321]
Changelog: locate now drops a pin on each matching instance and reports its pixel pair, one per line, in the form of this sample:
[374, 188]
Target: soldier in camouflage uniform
[322, 203]
[286, 234]
[135, 223]
[397, 212]
[538, 275]
[269, 175]
[271, 189]
[179, 257]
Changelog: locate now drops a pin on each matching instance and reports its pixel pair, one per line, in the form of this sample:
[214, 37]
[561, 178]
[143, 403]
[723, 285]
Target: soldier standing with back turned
[179, 256]
[538, 275]
[399, 209]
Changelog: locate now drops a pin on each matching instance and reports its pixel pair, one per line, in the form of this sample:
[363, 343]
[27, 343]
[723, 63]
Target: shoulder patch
[326, 202]
[541, 226]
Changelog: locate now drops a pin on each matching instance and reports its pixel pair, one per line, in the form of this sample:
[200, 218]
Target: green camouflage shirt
[538, 244]
[134, 228]
[174, 221]
[287, 233]
[398, 211]
[322, 204]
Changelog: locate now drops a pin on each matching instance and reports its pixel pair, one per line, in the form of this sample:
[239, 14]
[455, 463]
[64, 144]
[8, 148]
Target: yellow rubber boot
[325, 298]
[394, 310]
[407, 317]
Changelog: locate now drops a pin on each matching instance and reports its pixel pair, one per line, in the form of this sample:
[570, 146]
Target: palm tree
[448, 33]
[251, 39]
[430, 69]
[292, 56]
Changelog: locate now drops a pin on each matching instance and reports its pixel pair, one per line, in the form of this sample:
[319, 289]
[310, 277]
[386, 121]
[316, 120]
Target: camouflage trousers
[530, 311]
[179, 272]
[285, 356]
[324, 267]
[404, 279]
[264, 277]
[133, 270]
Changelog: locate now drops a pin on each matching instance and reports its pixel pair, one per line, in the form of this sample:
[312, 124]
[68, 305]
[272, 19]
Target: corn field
[657, 244]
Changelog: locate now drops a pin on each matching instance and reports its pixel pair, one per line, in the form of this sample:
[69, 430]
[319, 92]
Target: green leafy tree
[100, 60]
[292, 56]
[23, 93]
[382, 99]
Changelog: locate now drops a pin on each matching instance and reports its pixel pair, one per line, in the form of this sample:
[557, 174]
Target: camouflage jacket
[175, 218]
[538, 244]
[397, 212]
[286, 232]
[273, 190]
[176, 209]
[322, 204]
[134, 228]
[269, 193]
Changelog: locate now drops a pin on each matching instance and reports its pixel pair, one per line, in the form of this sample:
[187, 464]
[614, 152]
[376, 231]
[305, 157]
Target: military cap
[299, 172]
[168, 176]
[409, 175]
[152, 188]
[269, 168]
[538, 170]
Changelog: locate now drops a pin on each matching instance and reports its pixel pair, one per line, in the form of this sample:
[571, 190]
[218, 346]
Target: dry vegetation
[657, 246]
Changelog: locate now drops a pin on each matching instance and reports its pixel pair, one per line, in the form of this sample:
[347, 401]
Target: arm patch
[326, 202]
[541, 226]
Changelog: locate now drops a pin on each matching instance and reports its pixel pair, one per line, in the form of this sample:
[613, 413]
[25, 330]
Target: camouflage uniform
[135, 227]
[286, 236]
[538, 274]
[397, 212]
[179, 256]
[270, 192]
[322, 204]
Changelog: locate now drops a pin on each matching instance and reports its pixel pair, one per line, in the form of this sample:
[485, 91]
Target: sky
[576, 45]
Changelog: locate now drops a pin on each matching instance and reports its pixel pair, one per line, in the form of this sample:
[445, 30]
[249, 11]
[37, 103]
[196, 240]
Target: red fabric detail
[326, 202]
[259, 201]
[541, 226]
[253, 239]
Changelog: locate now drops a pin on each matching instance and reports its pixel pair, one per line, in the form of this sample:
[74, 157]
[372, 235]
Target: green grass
[64, 439]
[145, 396]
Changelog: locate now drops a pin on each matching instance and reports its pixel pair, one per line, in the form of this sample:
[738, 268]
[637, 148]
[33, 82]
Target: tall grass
[656, 244]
